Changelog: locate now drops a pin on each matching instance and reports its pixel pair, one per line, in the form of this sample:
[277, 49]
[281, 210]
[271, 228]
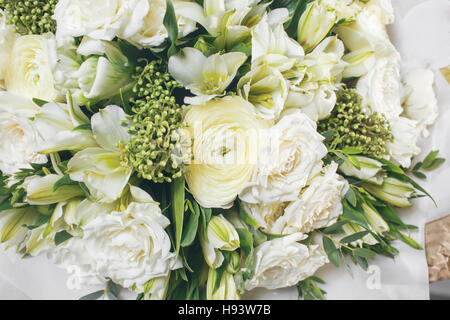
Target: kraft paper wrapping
[437, 246]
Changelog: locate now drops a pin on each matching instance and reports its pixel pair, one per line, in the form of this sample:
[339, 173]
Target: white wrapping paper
[421, 33]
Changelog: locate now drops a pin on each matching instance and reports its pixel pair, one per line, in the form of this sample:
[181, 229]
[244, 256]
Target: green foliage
[308, 289]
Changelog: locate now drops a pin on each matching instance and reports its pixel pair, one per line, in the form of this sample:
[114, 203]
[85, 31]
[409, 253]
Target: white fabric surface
[421, 33]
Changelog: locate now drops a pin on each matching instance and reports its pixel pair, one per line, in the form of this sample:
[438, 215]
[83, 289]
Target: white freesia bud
[420, 103]
[283, 262]
[137, 234]
[314, 25]
[206, 77]
[40, 190]
[12, 232]
[227, 137]
[266, 88]
[18, 136]
[227, 289]
[392, 191]
[369, 169]
[103, 169]
[406, 133]
[291, 156]
[381, 89]
[7, 38]
[318, 206]
[56, 122]
[29, 70]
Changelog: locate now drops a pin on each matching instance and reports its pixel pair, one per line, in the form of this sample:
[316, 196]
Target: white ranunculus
[56, 124]
[318, 206]
[206, 77]
[104, 169]
[29, 70]
[129, 247]
[283, 262]
[291, 156]
[154, 33]
[420, 102]
[18, 136]
[100, 19]
[381, 89]
[7, 38]
[265, 88]
[406, 133]
[227, 136]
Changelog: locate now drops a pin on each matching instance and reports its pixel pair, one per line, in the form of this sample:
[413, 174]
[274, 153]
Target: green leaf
[351, 150]
[362, 262]
[64, 181]
[355, 216]
[125, 104]
[171, 25]
[177, 194]
[429, 159]
[112, 290]
[351, 197]
[292, 25]
[419, 175]
[331, 251]
[246, 240]
[190, 230]
[354, 237]
[435, 164]
[355, 162]
[62, 236]
[335, 228]
[43, 219]
[364, 253]
[242, 47]
[243, 214]
[86, 126]
[409, 241]
[39, 102]
[93, 296]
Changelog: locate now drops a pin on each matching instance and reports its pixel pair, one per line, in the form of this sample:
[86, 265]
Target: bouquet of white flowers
[198, 149]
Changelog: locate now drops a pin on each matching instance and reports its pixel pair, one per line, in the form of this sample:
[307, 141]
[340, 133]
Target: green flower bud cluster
[352, 127]
[153, 150]
[30, 17]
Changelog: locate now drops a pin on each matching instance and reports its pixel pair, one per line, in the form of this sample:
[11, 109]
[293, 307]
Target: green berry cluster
[30, 17]
[155, 124]
[350, 126]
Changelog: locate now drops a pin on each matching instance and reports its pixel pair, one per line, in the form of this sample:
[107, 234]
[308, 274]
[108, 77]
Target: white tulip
[206, 77]
[19, 138]
[227, 136]
[290, 158]
[136, 233]
[420, 103]
[284, 262]
[318, 206]
[103, 169]
[406, 133]
[29, 70]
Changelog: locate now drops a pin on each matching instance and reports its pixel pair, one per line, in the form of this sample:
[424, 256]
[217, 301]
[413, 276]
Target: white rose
[100, 19]
[290, 157]
[7, 38]
[128, 247]
[381, 89]
[29, 71]
[318, 206]
[420, 102]
[18, 136]
[406, 132]
[284, 262]
[227, 136]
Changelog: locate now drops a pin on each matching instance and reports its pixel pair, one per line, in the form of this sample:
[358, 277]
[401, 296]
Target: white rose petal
[406, 132]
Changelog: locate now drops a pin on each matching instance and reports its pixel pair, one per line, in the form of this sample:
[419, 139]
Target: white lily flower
[206, 77]
[227, 289]
[12, 232]
[56, 122]
[359, 63]
[392, 191]
[314, 24]
[266, 88]
[103, 169]
[271, 44]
